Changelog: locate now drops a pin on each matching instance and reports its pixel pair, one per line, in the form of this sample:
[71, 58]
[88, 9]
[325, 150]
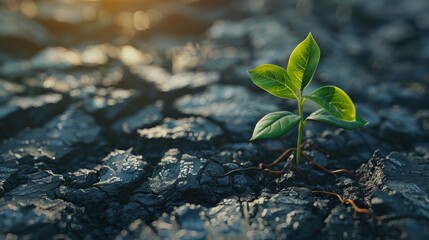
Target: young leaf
[322, 116]
[274, 124]
[335, 101]
[273, 79]
[303, 62]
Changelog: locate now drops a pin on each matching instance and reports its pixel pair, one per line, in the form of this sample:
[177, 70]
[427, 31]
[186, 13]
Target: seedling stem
[300, 127]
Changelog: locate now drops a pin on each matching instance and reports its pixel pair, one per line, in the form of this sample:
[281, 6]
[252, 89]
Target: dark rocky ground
[117, 124]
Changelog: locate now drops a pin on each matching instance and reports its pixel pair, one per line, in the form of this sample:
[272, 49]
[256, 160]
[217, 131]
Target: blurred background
[376, 50]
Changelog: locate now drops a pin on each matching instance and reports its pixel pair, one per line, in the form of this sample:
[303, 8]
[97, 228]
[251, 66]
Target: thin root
[241, 170]
[322, 168]
[286, 154]
[267, 168]
[319, 149]
[351, 202]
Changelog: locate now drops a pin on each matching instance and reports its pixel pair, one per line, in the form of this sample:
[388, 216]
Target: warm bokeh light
[128, 17]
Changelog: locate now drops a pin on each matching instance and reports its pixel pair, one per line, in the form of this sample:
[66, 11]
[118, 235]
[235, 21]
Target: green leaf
[335, 101]
[273, 79]
[303, 62]
[322, 116]
[274, 124]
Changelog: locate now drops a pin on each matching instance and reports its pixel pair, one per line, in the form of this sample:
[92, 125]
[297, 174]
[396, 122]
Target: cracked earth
[111, 129]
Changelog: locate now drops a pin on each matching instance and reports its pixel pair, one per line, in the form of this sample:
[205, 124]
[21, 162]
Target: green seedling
[337, 108]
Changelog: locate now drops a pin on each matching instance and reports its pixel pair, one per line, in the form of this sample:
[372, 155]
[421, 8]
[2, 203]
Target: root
[351, 202]
[322, 168]
[241, 170]
[310, 144]
[285, 155]
[268, 168]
